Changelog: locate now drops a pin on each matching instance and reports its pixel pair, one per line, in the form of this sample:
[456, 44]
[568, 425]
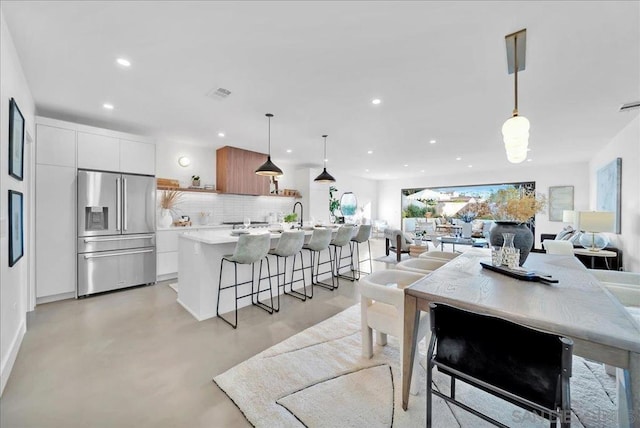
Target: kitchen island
[199, 256]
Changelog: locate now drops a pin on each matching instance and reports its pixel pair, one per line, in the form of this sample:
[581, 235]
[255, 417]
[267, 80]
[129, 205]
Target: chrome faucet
[301, 212]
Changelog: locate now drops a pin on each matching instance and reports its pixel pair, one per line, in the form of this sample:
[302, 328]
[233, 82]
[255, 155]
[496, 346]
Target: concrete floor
[136, 358]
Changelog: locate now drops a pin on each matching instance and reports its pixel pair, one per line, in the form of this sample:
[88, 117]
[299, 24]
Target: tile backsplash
[213, 208]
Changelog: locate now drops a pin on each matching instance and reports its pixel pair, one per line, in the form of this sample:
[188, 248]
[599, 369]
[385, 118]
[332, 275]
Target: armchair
[382, 309]
[396, 241]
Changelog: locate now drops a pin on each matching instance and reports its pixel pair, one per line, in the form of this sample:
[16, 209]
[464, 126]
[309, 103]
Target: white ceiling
[439, 68]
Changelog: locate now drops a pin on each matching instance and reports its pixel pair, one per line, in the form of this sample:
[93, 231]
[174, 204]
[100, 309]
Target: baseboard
[7, 364]
[55, 298]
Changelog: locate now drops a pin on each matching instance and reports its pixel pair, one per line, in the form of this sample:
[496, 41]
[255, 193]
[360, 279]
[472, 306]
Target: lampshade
[324, 176]
[515, 133]
[569, 216]
[596, 221]
[268, 168]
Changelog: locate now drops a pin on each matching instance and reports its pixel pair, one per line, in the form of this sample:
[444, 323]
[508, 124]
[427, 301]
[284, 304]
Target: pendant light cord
[325, 151]
[270, 132]
[515, 54]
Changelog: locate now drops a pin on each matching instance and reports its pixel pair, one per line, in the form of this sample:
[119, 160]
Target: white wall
[625, 145]
[570, 174]
[14, 280]
[203, 162]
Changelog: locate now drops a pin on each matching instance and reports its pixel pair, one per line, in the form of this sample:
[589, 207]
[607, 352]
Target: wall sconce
[184, 161]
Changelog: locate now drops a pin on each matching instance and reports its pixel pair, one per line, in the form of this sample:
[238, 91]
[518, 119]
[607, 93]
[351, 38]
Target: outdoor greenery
[414, 211]
[516, 204]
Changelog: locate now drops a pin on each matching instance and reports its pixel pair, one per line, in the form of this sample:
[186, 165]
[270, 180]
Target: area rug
[318, 378]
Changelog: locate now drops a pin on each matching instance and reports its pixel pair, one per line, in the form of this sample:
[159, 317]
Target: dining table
[578, 306]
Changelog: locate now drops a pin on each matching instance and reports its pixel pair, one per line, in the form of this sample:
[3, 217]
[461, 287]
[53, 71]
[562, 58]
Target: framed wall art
[560, 199]
[16, 229]
[609, 188]
[16, 141]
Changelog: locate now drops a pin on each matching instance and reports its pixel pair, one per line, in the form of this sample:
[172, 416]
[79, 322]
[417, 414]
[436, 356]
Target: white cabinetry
[62, 148]
[137, 157]
[167, 253]
[98, 152]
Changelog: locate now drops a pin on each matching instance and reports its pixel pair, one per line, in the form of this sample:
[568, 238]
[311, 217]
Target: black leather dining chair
[526, 367]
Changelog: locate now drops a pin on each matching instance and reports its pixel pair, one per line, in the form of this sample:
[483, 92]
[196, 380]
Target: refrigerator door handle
[125, 213]
[118, 196]
[120, 253]
[118, 238]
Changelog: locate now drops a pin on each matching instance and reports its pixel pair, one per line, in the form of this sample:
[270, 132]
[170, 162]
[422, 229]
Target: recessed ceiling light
[406, 165]
[123, 62]
[458, 158]
[432, 141]
[370, 152]
[220, 134]
[469, 166]
[366, 170]
[528, 149]
[529, 160]
[376, 101]
[288, 150]
[422, 170]
[326, 160]
[108, 106]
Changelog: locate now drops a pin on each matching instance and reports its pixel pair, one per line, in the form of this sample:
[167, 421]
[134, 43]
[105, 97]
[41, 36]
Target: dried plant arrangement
[517, 205]
[169, 199]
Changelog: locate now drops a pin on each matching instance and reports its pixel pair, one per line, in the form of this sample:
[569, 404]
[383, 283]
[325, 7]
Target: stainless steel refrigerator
[116, 231]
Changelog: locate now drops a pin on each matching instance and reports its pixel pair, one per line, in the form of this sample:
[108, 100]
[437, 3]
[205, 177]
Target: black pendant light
[269, 169]
[324, 176]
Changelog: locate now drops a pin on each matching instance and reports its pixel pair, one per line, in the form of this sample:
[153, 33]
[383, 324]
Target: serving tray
[522, 275]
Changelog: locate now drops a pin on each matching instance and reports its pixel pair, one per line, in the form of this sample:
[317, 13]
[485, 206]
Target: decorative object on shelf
[515, 130]
[609, 188]
[334, 204]
[184, 161]
[204, 217]
[169, 199]
[167, 182]
[268, 168]
[16, 228]
[16, 141]
[324, 176]
[560, 199]
[593, 223]
[195, 180]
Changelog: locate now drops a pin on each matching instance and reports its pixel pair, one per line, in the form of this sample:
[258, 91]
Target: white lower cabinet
[167, 253]
[55, 230]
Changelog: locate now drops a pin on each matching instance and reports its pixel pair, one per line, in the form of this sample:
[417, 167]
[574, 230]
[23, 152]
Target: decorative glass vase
[523, 239]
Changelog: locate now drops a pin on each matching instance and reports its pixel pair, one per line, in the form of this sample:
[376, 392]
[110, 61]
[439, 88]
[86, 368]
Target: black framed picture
[16, 234]
[16, 140]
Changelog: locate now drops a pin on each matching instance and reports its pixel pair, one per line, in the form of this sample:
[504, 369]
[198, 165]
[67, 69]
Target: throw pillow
[566, 233]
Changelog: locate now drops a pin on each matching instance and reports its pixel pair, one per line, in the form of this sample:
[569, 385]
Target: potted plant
[334, 204]
[467, 215]
[169, 199]
[512, 210]
[195, 181]
[290, 218]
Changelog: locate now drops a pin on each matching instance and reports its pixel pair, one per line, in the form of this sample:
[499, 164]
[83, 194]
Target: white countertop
[194, 227]
[224, 236]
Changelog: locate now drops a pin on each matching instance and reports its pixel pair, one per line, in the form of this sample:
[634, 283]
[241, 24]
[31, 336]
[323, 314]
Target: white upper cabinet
[55, 146]
[98, 152]
[136, 157]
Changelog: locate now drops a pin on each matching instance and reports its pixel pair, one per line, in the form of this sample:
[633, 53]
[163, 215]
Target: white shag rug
[318, 378]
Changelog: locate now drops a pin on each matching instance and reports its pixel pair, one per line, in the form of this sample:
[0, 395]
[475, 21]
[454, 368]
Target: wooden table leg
[409, 342]
[629, 393]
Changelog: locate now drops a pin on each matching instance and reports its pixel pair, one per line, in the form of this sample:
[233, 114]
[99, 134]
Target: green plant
[334, 204]
[290, 218]
[413, 211]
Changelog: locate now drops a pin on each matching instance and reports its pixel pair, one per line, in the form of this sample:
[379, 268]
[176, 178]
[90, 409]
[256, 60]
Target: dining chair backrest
[343, 236]
[320, 239]
[290, 243]
[555, 246]
[251, 248]
[363, 234]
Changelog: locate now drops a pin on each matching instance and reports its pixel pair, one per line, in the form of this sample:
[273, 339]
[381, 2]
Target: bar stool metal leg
[257, 302]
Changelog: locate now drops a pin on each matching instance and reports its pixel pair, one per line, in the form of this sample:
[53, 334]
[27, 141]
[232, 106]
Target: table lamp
[593, 223]
[569, 216]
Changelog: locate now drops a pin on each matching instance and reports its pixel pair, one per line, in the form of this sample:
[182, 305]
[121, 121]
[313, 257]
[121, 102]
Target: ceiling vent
[630, 106]
[218, 93]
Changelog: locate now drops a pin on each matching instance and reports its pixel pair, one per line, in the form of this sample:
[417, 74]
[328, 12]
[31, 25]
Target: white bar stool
[342, 238]
[362, 236]
[289, 244]
[249, 249]
[319, 242]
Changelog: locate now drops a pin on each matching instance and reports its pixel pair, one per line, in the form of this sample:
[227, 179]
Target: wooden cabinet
[235, 172]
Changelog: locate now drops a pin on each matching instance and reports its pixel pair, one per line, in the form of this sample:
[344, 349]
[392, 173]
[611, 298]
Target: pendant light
[324, 176]
[269, 169]
[515, 130]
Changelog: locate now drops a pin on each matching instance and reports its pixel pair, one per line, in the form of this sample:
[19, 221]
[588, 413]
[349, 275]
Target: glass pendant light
[324, 176]
[515, 130]
[269, 169]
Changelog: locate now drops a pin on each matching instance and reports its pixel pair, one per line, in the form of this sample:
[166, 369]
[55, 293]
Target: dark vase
[523, 239]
